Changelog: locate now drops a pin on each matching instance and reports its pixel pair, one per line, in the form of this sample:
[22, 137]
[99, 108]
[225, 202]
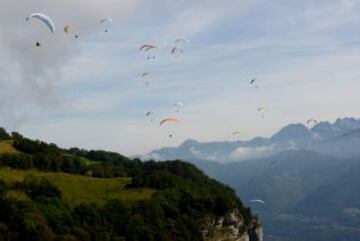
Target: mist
[30, 75]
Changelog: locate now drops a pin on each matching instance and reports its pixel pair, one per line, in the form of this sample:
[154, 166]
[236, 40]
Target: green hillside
[52, 194]
[77, 189]
[7, 148]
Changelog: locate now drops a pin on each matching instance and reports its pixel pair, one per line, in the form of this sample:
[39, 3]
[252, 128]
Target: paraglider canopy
[110, 20]
[147, 47]
[262, 109]
[67, 28]
[182, 40]
[258, 201]
[146, 74]
[178, 106]
[43, 18]
[311, 122]
[169, 120]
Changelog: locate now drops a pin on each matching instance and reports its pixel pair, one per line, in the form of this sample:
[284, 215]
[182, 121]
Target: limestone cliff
[230, 227]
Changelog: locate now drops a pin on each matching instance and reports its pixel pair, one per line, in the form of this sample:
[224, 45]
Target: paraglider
[253, 82]
[178, 106]
[258, 201]
[262, 111]
[182, 40]
[150, 115]
[110, 20]
[43, 18]
[237, 133]
[311, 122]
[106, 20]
[146, 74]
[169, 120]
[173, 50]
[146, 48]
[67, 29]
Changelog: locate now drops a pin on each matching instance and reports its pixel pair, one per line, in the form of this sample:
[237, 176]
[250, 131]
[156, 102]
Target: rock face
[230, 227]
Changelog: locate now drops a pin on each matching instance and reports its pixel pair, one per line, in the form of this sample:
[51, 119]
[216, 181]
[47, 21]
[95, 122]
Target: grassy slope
[77, 189]
[7, 148]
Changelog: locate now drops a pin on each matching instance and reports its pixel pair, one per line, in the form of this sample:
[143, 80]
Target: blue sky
[89, 93]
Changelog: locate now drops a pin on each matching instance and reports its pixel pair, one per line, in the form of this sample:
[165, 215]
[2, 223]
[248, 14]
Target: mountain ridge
[324, 137]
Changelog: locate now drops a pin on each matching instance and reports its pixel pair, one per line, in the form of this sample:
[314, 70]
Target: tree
[35, 188]
[3, 134]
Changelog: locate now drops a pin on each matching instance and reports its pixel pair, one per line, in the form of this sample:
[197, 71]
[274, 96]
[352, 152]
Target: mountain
[52, 194]
[308, 178]
[307, 195]
[340, 139]
[292, 132]
[339, 196]
[292, 175]
[326, 130]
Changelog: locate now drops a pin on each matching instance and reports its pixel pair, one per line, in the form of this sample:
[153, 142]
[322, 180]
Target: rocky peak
[292, 132]
[189, 143]
[340, 127]
[347, 124]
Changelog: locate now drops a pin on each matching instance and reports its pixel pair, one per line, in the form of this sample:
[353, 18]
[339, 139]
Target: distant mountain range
[340, 139]
[309, 179]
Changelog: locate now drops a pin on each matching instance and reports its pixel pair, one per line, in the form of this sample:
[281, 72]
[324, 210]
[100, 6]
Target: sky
[89, 92]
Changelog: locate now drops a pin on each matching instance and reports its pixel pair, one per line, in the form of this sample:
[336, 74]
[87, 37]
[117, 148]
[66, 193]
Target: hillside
[77, 189]
[54, 194]
[7, 148]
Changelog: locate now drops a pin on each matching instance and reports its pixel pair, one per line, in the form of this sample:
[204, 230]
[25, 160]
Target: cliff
[231, 227]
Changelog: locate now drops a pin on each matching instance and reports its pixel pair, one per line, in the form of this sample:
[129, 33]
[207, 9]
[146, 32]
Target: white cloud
[247, 153]
[28, 74]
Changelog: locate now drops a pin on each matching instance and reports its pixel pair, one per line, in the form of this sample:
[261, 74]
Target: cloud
[247, 153]
[204, 156]
[29, 75]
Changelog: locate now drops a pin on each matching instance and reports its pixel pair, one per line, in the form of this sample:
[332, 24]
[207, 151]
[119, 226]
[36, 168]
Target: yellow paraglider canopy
[174, 120]
[67, 28]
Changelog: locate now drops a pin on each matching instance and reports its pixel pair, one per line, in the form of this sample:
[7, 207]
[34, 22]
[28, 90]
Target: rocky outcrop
[230, 227]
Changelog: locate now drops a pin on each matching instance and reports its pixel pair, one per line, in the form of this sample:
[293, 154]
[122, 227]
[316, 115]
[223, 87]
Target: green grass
[78, 189]
[7, 148]
[86, 160]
